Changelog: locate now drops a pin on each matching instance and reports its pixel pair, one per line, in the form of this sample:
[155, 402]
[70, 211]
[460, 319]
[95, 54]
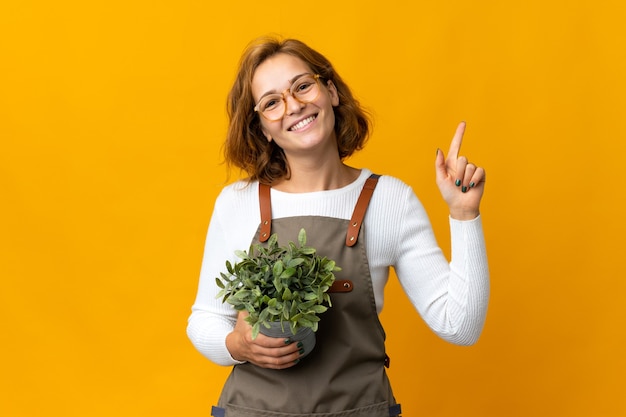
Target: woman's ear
[334, 95]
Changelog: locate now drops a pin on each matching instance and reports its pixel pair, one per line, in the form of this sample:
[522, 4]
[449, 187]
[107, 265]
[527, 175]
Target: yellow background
[111, 120]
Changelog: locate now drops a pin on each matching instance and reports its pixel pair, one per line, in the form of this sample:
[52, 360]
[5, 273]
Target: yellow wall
[111, 118]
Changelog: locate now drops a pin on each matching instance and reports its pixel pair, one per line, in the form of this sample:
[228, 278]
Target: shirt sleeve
[451, 297]
[211, 320]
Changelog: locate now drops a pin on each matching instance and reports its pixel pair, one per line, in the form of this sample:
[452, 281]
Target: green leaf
[288, 273]
[295, 262]
[318, 309]
[242, 294]
[264, 315]
[311, 317]
[278, 268]
[310, 296]
[305, 323]
[329, 266]
[287, 294]
[302, 237]
[255, 331]
[307, 250]
[278, 284]
[272, 241]
[274, 311]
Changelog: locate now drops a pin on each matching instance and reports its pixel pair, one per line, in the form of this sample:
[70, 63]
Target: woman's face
[305, 126]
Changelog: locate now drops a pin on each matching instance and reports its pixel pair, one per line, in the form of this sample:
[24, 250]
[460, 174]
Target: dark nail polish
[287, 341]
[472, 185]
[464, 189]
[299, 344]
[457, 182]
[301, 351]
[296, 361]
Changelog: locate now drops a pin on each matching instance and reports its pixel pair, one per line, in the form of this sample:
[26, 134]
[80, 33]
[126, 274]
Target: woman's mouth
[302, 123]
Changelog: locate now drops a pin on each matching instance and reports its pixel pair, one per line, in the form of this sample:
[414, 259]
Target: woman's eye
[305, 86]
[269, 104]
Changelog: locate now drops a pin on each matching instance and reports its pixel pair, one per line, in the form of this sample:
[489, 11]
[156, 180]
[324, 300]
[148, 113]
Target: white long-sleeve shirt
[451, 296]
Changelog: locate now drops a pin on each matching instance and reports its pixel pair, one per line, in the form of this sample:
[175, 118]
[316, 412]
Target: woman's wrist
[464, 215]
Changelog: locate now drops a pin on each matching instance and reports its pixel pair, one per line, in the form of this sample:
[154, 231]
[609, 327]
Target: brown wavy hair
[248, 149]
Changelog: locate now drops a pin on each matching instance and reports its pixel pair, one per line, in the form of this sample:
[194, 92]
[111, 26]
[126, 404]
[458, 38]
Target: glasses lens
[305, 89]
[272, 106]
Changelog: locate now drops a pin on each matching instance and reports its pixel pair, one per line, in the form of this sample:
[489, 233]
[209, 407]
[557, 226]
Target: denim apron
[345, 374]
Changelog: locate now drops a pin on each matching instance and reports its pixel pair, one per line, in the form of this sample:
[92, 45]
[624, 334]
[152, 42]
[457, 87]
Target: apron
[344, 375]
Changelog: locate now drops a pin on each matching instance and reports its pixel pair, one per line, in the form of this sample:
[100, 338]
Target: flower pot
[303, 334]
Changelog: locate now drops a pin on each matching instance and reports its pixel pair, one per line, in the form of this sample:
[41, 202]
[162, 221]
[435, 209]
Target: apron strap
[359, 210]
[265, 203]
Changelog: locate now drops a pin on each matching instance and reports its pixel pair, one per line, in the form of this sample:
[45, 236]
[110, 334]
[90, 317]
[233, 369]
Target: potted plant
[283, 288]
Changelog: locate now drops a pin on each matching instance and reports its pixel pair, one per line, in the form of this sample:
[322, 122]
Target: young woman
[293, 121]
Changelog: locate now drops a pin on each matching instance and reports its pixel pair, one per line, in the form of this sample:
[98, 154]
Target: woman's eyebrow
[291, 81]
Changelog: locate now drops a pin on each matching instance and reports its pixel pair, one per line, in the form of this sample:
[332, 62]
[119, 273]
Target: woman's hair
[246, 146]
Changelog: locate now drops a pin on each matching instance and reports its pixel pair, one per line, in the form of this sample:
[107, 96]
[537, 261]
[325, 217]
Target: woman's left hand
[460, 182]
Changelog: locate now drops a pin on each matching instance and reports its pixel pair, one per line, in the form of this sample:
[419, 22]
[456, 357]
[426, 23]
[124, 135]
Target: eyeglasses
[274, 106]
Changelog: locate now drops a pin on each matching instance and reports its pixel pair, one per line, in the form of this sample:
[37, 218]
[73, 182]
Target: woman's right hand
[264, 351]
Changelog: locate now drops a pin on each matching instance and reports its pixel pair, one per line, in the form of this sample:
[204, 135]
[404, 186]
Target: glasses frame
[291, 93]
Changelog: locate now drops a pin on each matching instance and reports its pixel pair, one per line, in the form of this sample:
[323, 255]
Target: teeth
[303, 123]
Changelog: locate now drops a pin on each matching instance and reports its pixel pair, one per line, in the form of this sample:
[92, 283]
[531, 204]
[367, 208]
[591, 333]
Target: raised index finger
[455, 145]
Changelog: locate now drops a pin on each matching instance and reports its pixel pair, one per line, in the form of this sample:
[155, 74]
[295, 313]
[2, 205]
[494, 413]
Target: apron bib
[345, 374]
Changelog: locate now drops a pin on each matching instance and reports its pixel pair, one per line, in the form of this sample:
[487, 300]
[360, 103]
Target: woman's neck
[313, 177]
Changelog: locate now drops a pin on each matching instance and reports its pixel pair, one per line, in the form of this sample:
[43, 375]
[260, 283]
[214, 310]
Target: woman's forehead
[277, 73]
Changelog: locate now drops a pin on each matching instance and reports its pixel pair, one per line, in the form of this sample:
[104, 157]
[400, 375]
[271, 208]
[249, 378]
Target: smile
[301, 124]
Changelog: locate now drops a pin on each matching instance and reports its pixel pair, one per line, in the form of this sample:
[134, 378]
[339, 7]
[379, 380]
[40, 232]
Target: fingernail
[437, 153]
[287, 341]
[299, 344]
[457, 182]
[472, 185]
[464, 189]
[301, 351]
[296, 361]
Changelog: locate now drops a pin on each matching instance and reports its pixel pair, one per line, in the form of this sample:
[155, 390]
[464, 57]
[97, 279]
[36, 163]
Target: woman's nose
[292, 105]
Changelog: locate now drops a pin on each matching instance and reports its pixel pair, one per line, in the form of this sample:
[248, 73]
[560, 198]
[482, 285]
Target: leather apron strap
[359, 210]
[352, 235]
[265, 203]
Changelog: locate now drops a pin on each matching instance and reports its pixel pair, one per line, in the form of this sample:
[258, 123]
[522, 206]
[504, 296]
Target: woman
[293, 121]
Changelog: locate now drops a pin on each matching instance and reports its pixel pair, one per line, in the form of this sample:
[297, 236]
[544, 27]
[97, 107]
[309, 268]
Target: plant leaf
[277, 270]
[306, 250]
[302, 237]
[272, 241]
[287, 294]
[255, 331]
[318, 309]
